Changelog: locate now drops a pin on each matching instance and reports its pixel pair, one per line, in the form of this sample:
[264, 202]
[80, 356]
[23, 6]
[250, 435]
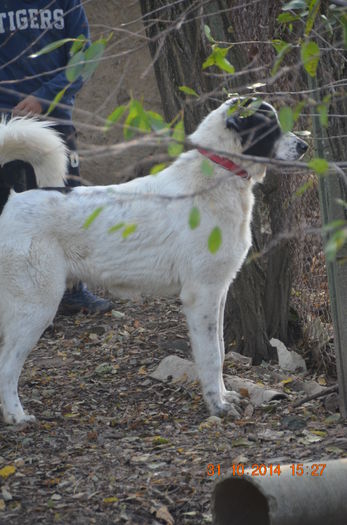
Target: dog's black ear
[233, 123]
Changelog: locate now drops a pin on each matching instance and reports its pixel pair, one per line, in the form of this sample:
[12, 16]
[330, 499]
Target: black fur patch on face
[258, 131]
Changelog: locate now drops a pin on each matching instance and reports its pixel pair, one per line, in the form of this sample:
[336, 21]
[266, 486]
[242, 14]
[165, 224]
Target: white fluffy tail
[34, 141]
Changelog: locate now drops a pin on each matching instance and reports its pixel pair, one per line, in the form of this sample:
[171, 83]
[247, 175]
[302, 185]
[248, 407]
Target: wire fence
[309, 300]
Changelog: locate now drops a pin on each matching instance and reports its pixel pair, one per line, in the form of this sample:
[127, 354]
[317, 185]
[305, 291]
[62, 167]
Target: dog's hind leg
[202, 309]
[22, 323]
[18, 340]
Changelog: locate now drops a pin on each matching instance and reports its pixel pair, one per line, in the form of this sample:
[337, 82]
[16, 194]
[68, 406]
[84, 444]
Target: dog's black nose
[301, 147]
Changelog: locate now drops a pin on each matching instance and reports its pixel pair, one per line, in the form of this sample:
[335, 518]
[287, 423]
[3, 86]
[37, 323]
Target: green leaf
[158, 168]
[298, 109]
[215, 240]
[128, 230]
[313, 11]
[303, 188]
[218, 58]
[116, 227]
[320, 166]
[78, 44]
[156, 121]
[74, 68]
[247, 111]
[188, 91]
[207, 168]
[114, 116]
[234, 107]
[208, 35]
[92, 58]
[130, 126]
[52, 47]
[194, 218]
[286, 119]
[294, 4]
[323, 111]
[176, 148]
[57, 99]
[224, 64]
[335, 243]
[331, 226]
[282, 49]
[310, 57]
[137, 120]
[285, 18]
[279, 45]
[92, 217]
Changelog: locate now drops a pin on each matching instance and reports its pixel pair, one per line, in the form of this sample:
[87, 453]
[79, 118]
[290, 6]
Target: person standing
[29, 84]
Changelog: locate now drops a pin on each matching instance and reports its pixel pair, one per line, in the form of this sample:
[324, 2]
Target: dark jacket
[26, 27]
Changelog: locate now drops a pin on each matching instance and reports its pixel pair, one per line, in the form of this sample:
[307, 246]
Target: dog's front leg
[202, 310]
[228, 395]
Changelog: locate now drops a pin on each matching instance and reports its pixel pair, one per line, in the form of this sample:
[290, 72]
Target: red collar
[225, 163]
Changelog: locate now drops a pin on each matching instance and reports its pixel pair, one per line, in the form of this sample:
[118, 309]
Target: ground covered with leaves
[113, 446]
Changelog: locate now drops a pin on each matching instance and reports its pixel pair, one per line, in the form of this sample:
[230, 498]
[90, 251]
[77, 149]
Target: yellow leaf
[2, 505]
[322, 381]
[142, 371]
[285, 381]
[7, 471]
[112, 499]
[320, 433]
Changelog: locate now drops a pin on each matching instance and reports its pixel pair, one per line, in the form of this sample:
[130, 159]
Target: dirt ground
[113, 446]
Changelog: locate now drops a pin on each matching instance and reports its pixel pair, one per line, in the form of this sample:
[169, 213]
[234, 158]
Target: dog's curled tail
[34, 141]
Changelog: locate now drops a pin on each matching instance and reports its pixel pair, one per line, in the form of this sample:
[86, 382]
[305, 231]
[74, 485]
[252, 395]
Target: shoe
[79, 298]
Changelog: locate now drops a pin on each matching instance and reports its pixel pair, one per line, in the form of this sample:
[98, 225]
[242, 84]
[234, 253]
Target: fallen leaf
[320, 433]
[7, 471]
[111, 499]
[241, 442]
[244, 392]
[158, 440]
[163, 514]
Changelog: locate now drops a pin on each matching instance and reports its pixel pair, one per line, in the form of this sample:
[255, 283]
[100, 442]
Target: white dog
[45, 243]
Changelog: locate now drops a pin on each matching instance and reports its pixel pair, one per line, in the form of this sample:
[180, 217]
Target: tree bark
[258, 303]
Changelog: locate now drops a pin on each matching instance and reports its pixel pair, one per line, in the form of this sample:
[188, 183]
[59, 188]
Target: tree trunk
[258, 304]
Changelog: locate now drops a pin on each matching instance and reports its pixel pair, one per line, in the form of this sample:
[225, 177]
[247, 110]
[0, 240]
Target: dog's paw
[12, 419]
[231, 396]
[224, 409]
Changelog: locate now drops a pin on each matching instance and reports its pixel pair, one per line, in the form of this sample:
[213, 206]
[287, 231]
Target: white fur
[35, 142]
[44, 245]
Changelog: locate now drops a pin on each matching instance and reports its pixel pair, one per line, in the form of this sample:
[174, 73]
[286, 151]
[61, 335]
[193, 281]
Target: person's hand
[28, 106]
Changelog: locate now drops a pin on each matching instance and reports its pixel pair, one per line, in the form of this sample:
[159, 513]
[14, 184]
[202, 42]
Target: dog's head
[251, 128]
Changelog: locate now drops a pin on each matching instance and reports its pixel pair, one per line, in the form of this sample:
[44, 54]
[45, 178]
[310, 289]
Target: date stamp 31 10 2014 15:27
[295, 469]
